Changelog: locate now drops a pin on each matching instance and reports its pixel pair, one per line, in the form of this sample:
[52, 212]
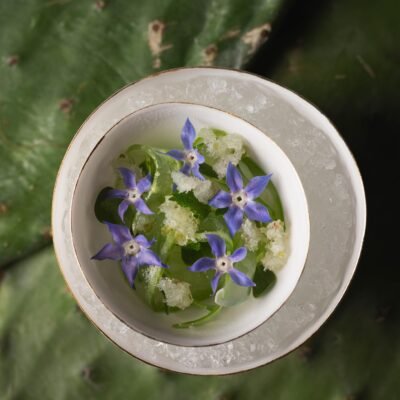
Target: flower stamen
[131, 248]
[223, 264]
[133, 195]
[191, 157]
[240, 198]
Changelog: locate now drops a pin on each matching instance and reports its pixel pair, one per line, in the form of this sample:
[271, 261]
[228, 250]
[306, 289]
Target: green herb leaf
[198, 141]
[219, 133]
[264, 280]
[206, 169]
[106, 209]
[147, 289]
[178, 269]
[221, 211]
[213, 310]
[232, 294]
[191, 253]
[189, 200]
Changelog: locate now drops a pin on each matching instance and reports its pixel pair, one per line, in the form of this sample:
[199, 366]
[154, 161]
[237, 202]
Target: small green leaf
[219, 133]
[214, 222]
[178, 269]
[147, 289]
[189, 200]
[198, 141]
[221, 211]
[193, 245]
[232, 294]
[207, 170]
[213, 310]
[191, 253]
[106, 209]
[264, 280]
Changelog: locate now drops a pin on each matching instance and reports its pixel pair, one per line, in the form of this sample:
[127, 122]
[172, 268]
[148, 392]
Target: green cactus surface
[49, 350]
[61, 58]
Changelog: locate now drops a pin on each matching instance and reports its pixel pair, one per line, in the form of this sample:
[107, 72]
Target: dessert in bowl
[190, 224]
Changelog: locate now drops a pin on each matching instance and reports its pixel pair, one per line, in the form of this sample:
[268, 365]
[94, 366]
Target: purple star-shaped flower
[133, 251]
[133, 192]
[240, 200]
[191, 157]
[222, 263]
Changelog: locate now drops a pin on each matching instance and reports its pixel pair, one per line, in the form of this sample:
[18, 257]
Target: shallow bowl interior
[159, 125]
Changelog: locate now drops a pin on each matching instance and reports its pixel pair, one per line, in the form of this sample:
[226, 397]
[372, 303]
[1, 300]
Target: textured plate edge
[355, 179]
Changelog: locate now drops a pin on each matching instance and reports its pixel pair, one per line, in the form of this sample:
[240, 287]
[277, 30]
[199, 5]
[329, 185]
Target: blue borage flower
[190, 156]
[133, 192]
[222, 263]
[240, 200]
[133, 251]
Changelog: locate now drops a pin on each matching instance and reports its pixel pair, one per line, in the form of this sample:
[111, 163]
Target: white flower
[177, 293]
[179, 221]
[275, 255]
[222, 150]
[202, 190]
[251, 234]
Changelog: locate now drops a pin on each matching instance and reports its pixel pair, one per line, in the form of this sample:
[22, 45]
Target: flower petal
[215, 280]
[217, 244]
[177, 154]
[233, 178]
[142, 207]
[257, 185]
[142, 241]
[185, 169]
[202, 264]
[221, 200]
[130, 267]
[148, 257]
[123, 206]
[200, 157]
[128, 177]
[233, 218]
[117, 193]
[119, 233]
[110, 251]
[238, 254]
[257, 212]
[188, 135]
[196, 172]
[144, 184]
[240, 278]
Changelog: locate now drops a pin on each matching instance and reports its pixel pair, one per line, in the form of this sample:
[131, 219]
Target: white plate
[334, 192]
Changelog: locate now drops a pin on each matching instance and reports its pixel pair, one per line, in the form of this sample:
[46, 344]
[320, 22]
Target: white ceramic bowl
[160, 126]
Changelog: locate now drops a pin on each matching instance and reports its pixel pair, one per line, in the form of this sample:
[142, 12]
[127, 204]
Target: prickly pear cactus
[341, 55]
[49, 350]
[60, 59]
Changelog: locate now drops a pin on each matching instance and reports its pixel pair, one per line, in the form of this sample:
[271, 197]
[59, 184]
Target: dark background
[60, 59]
